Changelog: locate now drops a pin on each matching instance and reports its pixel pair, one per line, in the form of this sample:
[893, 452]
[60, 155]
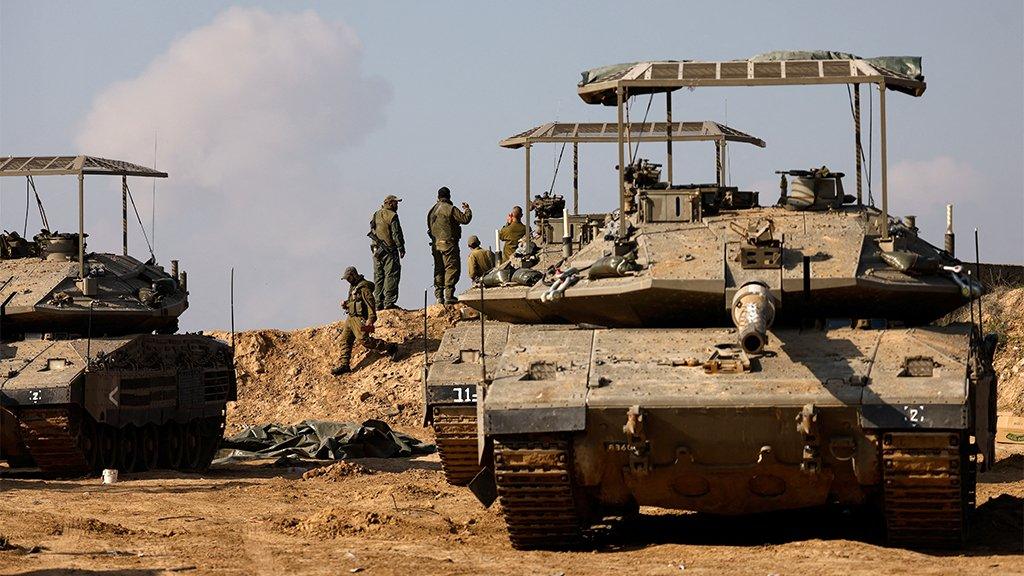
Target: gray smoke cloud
[250, 111]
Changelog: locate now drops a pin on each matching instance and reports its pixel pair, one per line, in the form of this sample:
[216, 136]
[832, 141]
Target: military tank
[700, 351]
[92, 374]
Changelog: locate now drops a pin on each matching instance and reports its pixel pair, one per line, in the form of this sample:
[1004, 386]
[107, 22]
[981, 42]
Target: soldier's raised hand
[465, 206]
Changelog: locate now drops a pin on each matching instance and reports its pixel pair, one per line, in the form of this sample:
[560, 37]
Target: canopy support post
[81, 225]
[885, 170]
[576, 178]
[528, 206]
[719, 165]
[858, 148]
[668, 133]
[619, 97]
[124, 214]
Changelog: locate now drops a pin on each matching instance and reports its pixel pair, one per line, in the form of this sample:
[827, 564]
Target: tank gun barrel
[753, 311]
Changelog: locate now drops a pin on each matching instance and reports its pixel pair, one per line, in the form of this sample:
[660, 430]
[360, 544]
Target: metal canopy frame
[80, 165]
[587, 132]
[613, 85]
[71, 166]
[668, 132]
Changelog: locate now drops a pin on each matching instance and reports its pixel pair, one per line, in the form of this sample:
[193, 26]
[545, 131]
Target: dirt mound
[336, 471]
[1003, 310]
[285, 377]
[335, 522]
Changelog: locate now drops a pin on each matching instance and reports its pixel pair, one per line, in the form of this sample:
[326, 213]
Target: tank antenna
[426, 360]
[974, 328]
[483, 361]
[977, 272]
[88, 340]
[232, 311]
[152, 206]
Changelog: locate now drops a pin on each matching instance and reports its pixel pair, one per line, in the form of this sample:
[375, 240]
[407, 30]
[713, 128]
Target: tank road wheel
[534, 481]
[214, 434]
[89, 442]
[455, 434]
[149, 448]
[128, 448]
[172, 446]
[193, 446]
[106, 445]
[929, 488]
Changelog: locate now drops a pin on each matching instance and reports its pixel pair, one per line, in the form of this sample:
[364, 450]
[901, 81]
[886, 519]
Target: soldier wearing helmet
[480, 261]
[387, 245]
[362, 313]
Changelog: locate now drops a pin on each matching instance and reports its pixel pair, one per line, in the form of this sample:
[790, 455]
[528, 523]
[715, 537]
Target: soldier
[512, 232]
[444, 226]
[362, 314]
[387, 245]
[480, 261]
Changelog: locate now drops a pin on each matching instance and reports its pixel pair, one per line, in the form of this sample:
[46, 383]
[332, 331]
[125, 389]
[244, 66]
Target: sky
[284, 124]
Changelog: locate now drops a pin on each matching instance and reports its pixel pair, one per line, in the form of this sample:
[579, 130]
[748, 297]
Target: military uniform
[444, 225]
[480, 261]
[387, 244]
[511, 234]
[361, 314]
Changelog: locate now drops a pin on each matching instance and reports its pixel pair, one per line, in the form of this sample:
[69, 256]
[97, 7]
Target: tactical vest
[442, 227]
[382, 226]
[356, 305]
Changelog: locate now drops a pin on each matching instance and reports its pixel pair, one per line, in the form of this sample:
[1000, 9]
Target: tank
[93, 374]
[720, 350]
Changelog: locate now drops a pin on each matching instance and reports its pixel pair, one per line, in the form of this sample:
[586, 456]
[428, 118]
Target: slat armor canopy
[899, 73]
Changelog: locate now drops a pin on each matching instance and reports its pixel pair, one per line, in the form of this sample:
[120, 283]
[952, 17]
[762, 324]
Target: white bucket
[110, 475]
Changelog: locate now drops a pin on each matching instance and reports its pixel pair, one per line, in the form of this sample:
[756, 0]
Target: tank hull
[135, 402]
[655, 417]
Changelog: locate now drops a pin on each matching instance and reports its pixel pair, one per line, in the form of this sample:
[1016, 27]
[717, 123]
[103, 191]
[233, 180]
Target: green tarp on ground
[320, 440]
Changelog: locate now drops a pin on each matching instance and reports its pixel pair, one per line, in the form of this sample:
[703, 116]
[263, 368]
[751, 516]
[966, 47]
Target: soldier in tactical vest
[387, 244]
[362, 314]
[480, 261]
[444, 226]
[512, 232]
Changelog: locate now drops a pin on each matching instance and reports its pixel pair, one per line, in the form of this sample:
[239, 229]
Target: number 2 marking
[915, 415]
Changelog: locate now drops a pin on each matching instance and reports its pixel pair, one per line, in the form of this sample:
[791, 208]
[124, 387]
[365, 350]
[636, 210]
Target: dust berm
[399, 517]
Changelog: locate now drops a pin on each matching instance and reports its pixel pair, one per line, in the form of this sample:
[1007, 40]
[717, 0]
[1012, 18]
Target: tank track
[929, 488]
[52, 437]
[66, 442]
[455, 436]
[534, 482]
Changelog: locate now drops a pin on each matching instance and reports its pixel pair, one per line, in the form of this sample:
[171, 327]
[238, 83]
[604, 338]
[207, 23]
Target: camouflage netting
[320, 440]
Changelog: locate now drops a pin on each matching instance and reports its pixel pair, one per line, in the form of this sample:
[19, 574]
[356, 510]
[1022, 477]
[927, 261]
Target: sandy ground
[400, 517]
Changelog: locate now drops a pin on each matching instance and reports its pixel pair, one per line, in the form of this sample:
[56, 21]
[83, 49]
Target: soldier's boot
[439, 295]
[340, 369]
[449, 296]
[391, 350]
